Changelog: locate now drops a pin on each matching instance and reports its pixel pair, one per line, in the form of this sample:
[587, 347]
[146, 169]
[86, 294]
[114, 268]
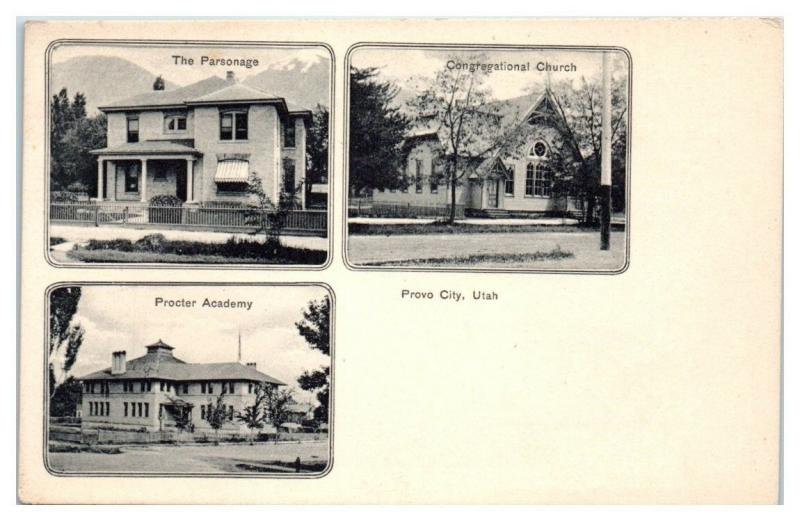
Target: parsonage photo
[487, 158]
[209, 380]
[188, 154]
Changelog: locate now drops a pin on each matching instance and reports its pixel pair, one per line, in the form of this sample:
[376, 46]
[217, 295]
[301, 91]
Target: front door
[180, 181]
[494, 190]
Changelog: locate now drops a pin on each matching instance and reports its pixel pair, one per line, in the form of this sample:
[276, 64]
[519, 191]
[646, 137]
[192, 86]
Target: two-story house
[200, 143]
[516, 178]
[151, 391]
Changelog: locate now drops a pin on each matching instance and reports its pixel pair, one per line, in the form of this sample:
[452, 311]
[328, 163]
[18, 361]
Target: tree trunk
[588, 219]
[453, 184]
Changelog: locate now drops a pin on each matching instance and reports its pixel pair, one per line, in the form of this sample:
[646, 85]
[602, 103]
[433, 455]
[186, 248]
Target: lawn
[205, 459]
[155, 248]
[557, 251]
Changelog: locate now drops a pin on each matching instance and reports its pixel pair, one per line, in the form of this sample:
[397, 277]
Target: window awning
[232, 171]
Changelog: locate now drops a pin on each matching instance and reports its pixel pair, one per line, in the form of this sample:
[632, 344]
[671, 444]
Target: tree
[254, 416]
[65, 337]
[158, 84]
[377, 130]
[315, 328]
[581, 107]
[317, 147]
[266, 216]
[72, 136]
[470, 126]
[182, 418]
[66, 399]
[218, 414]
[276, 402]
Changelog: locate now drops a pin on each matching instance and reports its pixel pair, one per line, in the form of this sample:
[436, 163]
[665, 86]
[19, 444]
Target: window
[108, 408]
[125, 409]
[133, 409]
[231, 387]
[146, 410]
[233, 126]
[185, 388]
[539, 149]
[418, 175]
[202, 412]
[250, 388]
[543, 181]
[529, 180]
[139, 409]
[161, 386]
[142, 387]
[509, 191]
[131, 179]
[230, 412]
[436, 176]
[288, 176]
[133, 129]
[289, 135]
[174, 123]
[203, 388]
[210, 389]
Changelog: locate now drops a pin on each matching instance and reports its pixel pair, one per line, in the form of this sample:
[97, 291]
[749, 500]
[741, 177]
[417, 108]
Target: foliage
[158, 84]
[66, 399]
[266, 216]
[470, 127]
[315, 328]
[217, 412]
[72, 136]
[582, 108]
[182, 418]
[165, 200]
[276, 403]
[317, 147]
[377, 130]
[65, 337]
[63, 197]
[254, 416]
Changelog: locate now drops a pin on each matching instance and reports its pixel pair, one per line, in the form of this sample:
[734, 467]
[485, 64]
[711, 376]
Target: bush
[63, 197]
[113, 244]
[77, 187]
[170, 213]
[165, 200]
[153, 242]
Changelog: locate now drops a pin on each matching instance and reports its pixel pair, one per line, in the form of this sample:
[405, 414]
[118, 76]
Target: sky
[126, 318]
[407, 66]
[159, 59]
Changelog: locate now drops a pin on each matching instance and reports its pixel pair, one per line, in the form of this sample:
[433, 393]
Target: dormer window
[174, 123]
[233, 125]
[133, 129]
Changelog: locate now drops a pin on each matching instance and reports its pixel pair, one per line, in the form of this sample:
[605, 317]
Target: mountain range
[104, 79]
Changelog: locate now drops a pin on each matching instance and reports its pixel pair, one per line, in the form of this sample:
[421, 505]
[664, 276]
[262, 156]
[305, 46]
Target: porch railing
[188, 216]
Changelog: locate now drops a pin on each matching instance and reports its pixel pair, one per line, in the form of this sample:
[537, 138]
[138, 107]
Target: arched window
[538, 180]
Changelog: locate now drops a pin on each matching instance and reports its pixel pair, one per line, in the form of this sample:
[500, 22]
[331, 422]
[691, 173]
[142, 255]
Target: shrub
[77, 187]
[165, 200]
[153, 242]
[113, 244]
[63, 197]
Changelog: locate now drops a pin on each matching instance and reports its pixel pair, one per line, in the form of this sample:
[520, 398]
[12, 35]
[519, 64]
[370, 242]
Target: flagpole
[605, 156]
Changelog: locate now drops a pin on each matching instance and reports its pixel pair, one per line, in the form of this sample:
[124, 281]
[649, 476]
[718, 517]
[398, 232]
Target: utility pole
[605, 155]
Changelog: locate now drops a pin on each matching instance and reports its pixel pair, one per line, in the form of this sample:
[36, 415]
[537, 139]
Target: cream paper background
[659, 385]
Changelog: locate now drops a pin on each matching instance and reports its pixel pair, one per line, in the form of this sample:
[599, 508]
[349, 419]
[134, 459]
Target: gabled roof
[160, 364]
[233, 93]
[150, 147]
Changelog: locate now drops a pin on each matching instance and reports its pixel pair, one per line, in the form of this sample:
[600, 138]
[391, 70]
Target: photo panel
[488, 158]
[204, 154]
[208, 380]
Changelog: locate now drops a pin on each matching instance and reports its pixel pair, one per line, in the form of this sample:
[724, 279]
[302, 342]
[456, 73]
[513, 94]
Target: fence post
[96, 215]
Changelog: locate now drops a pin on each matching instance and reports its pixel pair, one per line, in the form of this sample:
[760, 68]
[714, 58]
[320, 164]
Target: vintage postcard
[211, 380]
[204, 153]
[418, 261]
[490, 157]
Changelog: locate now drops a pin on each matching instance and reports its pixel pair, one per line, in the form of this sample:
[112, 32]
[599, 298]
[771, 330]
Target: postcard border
[474, 46]
[45, 394]
[178, 43]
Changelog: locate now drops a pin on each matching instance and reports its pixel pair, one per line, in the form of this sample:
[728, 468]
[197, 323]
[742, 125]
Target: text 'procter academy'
[161, 302]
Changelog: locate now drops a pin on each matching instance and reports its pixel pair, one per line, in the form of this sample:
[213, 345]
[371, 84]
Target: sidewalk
[544, 221]
[82, 234]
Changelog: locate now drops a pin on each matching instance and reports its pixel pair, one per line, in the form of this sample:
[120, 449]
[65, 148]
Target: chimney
[118, 364]
[230, 77]
[251, 364]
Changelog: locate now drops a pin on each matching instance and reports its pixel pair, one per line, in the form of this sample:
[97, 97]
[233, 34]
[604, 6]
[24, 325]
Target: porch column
[190, 180]
[143, 188]
[99, 179]
[111, 173]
